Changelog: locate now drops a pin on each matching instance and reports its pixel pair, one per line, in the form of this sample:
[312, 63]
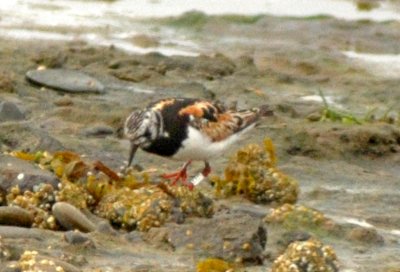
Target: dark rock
[15, 216]
[65, 80]
[9, 112]
[232, 237]
[72, 218]
[98, 131]
[25, 175]
[365, 235]
[76, 238]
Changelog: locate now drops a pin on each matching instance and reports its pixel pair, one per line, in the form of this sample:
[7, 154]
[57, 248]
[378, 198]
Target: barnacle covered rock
[304, 256]
[129, 201]
[5, 253]
[38, 203]
[252, 172]
[296, 216]
[30, 262]
[74, 194]
[142, 208]
[150, 206]
[190, 202]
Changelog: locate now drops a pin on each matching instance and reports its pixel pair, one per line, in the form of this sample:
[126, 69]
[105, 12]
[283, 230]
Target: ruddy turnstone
[188, 129]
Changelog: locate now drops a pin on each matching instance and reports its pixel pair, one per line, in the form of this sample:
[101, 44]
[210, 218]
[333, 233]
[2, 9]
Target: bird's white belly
[200, 147]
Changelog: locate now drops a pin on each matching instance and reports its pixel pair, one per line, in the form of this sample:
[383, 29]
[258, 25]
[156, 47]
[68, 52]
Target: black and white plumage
[188, 129]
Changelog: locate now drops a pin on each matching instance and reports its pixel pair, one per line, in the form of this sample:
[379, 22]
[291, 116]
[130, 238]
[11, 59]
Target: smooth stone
[28, 233]
[15, 216]
[97, 131]
[76, 237]
[65, 80]
[64, 102]
[26, 175]
[72, 218]
[10, 112]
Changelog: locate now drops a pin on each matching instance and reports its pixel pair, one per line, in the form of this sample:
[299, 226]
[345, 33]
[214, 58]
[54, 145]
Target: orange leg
[180, 175]
[207, 169]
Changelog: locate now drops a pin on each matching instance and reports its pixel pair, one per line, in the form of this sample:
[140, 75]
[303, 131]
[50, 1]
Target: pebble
[65, 80]
[72, 218]
[15, 216]
[97, 131]
[63, 101]
[10, 112]
[77, 237]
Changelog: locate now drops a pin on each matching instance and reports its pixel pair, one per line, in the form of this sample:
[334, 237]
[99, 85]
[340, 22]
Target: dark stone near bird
[25, 175]
[15, 216]
[9, 112]
[65, 80]
[231, 237]
[97, 131]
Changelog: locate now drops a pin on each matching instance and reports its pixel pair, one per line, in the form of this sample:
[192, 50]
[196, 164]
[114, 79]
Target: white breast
[199, 146]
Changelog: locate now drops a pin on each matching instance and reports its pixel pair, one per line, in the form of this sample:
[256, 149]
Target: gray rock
[232, 237]
[10, 112]
[22, 136]
[26, 233]
[65, 80]
[72, 218]
[15, 216]
[97, 131]
[26, 175]
[76, 237]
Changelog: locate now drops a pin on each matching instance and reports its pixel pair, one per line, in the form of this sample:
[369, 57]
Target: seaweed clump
[252, 172]
[213, 265]
[303, 256]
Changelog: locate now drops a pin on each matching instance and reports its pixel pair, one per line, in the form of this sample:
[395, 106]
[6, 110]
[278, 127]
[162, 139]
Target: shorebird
[188, 130]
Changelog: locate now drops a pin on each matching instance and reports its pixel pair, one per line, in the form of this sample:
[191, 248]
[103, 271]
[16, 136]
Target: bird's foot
[181, 176]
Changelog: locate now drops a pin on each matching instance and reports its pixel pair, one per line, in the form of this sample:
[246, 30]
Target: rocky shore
[321, 195]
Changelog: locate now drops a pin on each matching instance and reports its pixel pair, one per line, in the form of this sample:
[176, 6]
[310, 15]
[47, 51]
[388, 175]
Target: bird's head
[140, 127]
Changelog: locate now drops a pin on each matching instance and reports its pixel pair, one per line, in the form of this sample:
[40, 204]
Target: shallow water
[19, 18]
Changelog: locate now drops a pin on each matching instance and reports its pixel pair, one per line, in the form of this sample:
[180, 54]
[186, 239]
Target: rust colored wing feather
[228, 123]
